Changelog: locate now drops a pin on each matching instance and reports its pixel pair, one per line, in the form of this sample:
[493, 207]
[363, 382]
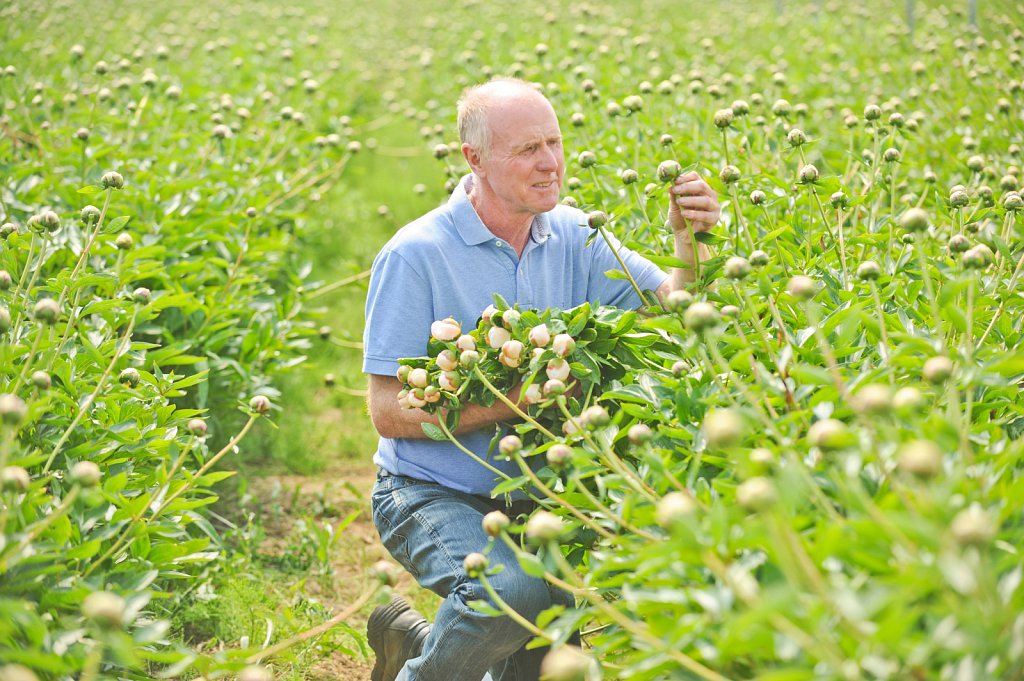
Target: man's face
[526, 164]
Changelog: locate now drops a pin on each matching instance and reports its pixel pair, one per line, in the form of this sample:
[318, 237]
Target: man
[502, 231]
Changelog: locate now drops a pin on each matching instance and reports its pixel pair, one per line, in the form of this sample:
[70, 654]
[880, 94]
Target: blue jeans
[430, 529]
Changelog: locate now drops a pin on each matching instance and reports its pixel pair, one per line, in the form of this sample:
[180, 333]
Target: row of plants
[151, 293]
[807, 464]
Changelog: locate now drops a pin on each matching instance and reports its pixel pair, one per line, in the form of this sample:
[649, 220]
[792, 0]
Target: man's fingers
[705, 219]
[688, 177]
[697, 202]
[693, 187]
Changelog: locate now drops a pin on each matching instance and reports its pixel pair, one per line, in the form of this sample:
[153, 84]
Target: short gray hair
[473, 105]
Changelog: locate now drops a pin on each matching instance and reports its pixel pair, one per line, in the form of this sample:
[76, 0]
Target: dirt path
[334, 495]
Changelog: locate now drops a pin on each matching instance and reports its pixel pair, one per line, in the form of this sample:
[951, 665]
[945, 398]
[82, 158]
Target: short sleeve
[619, 292]
[399, 312]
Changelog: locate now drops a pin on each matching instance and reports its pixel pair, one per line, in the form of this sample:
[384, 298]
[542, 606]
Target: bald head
[477, 102]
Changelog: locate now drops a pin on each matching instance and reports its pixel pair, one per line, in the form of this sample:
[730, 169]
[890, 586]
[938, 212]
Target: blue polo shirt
[448, 264]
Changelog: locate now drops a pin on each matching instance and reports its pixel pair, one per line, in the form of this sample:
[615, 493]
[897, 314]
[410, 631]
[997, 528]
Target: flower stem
[512, 405]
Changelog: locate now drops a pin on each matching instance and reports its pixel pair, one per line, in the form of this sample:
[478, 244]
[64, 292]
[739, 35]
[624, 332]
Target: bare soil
[336, 494]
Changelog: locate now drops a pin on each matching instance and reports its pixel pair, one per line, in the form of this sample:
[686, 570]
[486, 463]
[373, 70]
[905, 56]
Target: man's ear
[472, 157]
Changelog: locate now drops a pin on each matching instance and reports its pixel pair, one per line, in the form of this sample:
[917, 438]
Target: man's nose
[548, 158]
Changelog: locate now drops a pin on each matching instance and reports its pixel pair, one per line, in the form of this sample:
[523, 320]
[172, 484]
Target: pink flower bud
[553, 388]
[509, 361]
[469, 358]
[497, 336]
[540, 336]
[403, 400]
[563, 345]
[418, 378]
[510, 445]
[447, 361]
[488, 313]
[449, 380]
[532, 395]
[513, 349]
[509, 318]
[537, 352]
[445, 329]
[465, 343]
[431, 394]
[558, 369]
[403, 373]
[416, 400]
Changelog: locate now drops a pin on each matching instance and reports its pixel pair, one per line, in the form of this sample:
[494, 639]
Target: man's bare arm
[391, 420]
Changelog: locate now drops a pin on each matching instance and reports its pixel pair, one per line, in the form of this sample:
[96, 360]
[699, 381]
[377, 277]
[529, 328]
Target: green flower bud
[736, 268]
[759, 258]
[104, 608]
[14, 479]
[757, 197]
[796, 137]
[730, 174]
[46, 311]
[495, 522]
[12, 409]
[920, 458]
[260, 404]
[597, 219]
[723, 428]
[112, 180]
[801, 287]
[808, 174]
[723, 118]
[41, 380]
[937, 369]
[86, 474]
[543, 527]
[700, 316]
[89, 214]
[474, 565]
[756, 494]
[587, 159]
[668, 171]
[915, 220]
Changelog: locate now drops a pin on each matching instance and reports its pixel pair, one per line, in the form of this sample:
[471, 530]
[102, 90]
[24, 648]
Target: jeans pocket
[386, 517]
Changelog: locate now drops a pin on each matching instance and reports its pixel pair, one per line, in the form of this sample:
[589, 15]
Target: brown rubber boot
[396, 633]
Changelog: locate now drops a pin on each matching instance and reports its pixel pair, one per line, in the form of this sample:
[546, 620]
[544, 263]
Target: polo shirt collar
[467, 222]
[473, 231]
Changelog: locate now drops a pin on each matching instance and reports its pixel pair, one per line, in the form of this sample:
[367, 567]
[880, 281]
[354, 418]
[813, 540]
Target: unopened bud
[674, 507]
[723, 428]
[104, 608]
[474, 565]
[756, 494]
[921, 458]
[543, 526]
[669, 170]
[495, 522]
[112, 180]
[86, 474]
[260, 404]
[937, 369]
[130, 377]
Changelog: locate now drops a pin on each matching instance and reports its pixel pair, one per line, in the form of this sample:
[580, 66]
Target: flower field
[807, 466]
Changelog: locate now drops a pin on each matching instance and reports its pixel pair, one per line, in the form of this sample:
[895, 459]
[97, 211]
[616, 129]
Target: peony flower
[447, 361]
[540, 336]
[558, 369]
[532, 395]
[449, 380]
[418, 378]
[445, 329]
[497, 336]
[563, 345]
[511, 353]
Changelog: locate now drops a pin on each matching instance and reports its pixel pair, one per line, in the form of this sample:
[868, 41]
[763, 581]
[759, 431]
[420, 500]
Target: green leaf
[434, 432]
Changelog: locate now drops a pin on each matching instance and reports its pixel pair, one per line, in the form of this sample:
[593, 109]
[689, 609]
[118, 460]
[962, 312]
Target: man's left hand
[692, 200]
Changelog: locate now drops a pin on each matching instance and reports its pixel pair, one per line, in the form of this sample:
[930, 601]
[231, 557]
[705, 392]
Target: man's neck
[513, 228]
